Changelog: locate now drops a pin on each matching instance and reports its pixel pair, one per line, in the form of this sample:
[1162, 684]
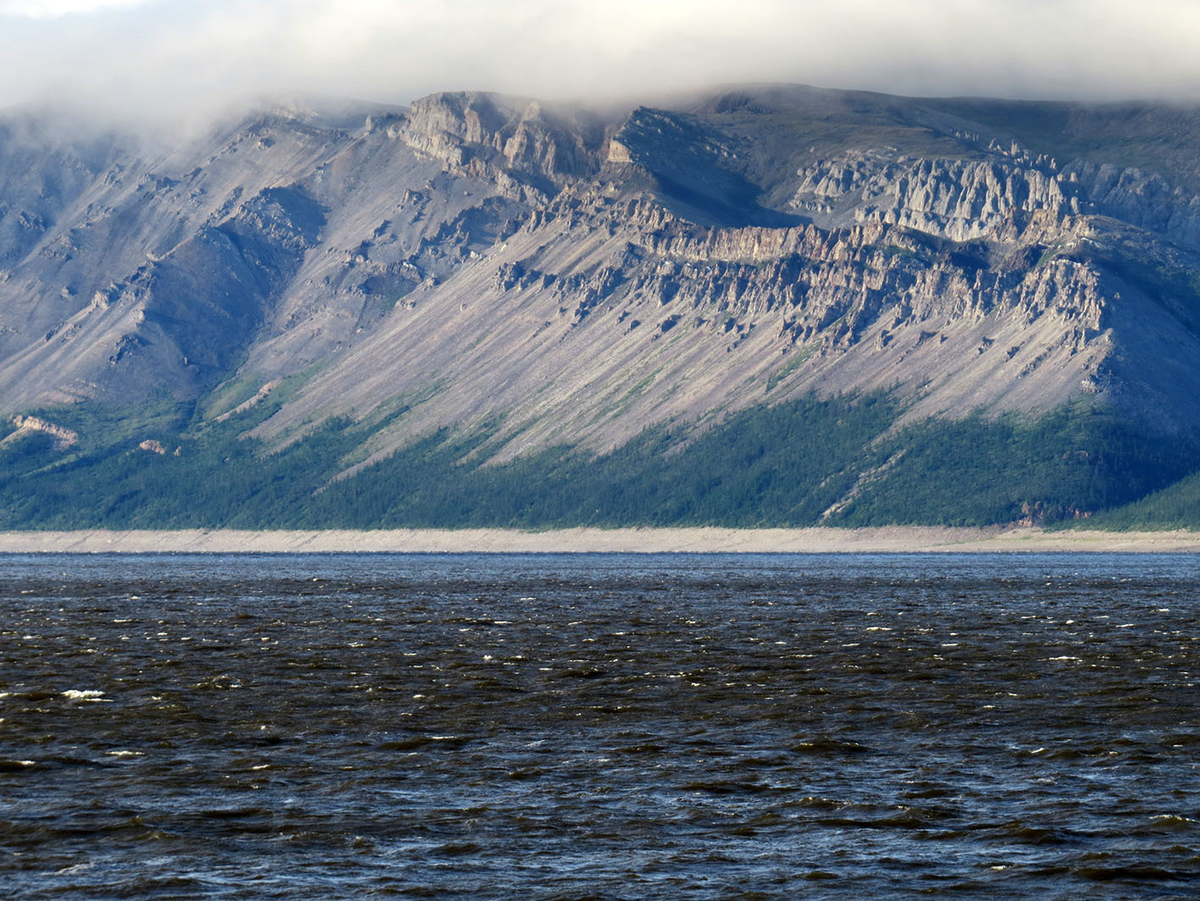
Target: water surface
[604, 726]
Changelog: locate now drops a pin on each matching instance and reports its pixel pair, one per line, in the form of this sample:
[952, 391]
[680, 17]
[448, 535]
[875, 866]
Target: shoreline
[874, 540]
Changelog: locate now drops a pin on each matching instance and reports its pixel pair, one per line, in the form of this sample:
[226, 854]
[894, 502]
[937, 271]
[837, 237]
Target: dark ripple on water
[599, 726]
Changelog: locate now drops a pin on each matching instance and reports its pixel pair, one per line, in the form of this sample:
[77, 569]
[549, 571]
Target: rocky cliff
[573, 276]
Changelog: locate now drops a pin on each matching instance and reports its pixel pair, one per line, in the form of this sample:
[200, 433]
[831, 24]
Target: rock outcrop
[527, 150]
[63, 437]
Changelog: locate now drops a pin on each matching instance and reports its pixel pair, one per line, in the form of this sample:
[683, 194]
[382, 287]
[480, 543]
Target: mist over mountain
[180, 61]
[763, 305]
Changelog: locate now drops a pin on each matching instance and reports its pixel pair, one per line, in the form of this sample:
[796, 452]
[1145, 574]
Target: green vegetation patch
[1175, 507]
[768, 466]
[838, 461]
[1063, 466]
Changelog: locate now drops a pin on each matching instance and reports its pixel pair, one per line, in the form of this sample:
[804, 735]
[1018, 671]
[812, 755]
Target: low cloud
[53, 9]
[171, 58]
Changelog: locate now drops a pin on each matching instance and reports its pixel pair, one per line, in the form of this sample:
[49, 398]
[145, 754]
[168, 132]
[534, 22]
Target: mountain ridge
[556, 276]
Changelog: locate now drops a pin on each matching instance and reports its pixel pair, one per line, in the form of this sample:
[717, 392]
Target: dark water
[599, 727]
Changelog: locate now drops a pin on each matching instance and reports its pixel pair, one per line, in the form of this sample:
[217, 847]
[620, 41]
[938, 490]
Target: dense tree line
[841, 461]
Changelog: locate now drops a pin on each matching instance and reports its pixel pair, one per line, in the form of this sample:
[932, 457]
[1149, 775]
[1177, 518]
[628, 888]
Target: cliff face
[582, 275]
[494, 136]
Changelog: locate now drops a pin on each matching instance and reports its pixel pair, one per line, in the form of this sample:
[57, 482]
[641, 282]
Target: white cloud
[53, 9]
[177, 55]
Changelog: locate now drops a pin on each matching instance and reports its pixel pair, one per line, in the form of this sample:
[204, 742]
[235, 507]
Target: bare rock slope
[575, 275]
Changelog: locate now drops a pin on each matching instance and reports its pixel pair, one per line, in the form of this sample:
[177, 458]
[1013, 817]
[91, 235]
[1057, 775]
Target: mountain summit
[479, 282]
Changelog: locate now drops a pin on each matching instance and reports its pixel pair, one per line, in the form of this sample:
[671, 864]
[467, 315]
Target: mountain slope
[536, 277]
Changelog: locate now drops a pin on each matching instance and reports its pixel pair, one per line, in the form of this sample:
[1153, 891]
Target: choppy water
[599, 727]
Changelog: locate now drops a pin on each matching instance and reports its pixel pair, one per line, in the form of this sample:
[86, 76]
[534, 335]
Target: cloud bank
[52, 9]
[181, 57]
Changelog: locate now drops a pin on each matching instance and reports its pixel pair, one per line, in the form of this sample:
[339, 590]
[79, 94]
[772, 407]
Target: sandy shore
[907, 539]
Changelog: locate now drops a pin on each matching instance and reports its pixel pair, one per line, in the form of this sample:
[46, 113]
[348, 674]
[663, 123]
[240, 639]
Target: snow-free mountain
[501, 280]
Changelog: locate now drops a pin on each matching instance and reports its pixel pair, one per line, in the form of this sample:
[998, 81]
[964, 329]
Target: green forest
[840, 461]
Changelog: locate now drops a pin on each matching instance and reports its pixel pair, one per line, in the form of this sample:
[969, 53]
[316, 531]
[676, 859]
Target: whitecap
[75, 868]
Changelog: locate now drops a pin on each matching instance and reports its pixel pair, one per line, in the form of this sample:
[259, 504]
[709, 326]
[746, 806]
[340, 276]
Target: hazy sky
[178, 55]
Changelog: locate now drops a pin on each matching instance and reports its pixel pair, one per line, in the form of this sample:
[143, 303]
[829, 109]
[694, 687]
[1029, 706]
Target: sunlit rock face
[577, 275]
